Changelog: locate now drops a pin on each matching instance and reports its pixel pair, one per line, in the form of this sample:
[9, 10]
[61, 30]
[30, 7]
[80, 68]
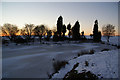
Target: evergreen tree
[76, 31]
[64, 30]
[59, 25]
[96, 34]
[69, 28]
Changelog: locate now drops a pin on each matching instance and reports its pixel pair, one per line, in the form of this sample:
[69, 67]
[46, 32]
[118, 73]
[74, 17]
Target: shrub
[86, 63]
[83, 52]
[58, 65]
[118, 46]
[86, 52]
[91, 51]
[49, 75]
[78, 54]
[105, 50]
[74, 57]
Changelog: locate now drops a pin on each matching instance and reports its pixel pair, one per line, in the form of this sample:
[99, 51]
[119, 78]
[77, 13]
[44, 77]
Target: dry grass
[58, 65]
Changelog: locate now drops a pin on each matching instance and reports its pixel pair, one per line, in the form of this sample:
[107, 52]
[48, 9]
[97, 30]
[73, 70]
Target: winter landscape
[67, 51]
[36, 60]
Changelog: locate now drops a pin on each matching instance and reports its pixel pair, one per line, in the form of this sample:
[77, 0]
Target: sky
[21, 13]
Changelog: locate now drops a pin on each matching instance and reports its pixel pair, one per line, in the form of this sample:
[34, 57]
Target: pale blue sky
[86, 13]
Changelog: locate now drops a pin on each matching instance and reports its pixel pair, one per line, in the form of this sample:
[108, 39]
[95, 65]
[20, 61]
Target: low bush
[105, 50]
[91, 51]
[118, 47]
[58, 65]
[86, 52]
[86, 63]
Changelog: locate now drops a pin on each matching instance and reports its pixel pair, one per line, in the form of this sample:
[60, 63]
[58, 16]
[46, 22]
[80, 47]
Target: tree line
[58, 32]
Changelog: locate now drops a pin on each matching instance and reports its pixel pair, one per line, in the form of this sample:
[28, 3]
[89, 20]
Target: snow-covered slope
[104, 64]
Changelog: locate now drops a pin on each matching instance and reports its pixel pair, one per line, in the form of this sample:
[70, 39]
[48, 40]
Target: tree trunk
[63, 34]
[40, 37]
[69, 34]
[108, 39]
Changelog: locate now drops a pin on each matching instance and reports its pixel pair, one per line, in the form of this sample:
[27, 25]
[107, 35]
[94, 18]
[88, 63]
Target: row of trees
[11, 31]
[107, 30]
[41, 30]
[61, 30]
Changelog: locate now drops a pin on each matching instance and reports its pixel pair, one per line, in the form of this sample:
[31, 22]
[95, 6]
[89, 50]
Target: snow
[36, 60]
[115, 40]
[104, 63]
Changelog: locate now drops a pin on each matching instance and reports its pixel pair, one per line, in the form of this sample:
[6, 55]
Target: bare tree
[49, 34]
[29, 30]
[108, 31]
[43, 29]
[39, 30]
[10, 31]
[22, 32]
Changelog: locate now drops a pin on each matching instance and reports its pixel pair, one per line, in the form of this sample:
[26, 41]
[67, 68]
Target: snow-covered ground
[36, 60]
[104, 64]
[113, 40]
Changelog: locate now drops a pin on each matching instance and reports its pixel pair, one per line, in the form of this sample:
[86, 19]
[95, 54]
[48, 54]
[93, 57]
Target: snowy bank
[103, 64]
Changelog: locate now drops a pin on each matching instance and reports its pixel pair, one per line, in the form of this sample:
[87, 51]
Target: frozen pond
[35, 61]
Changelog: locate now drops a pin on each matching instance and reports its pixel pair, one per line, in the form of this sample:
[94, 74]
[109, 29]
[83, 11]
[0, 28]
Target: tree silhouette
[76, 31]
[108, 31]
[64, 30]
[96, 34]
[49, 34]
[82, 34]
[39, 30]
[43, 29]
[55, 36]
[10, 31]
[69, 28]
[59, 25]
[22, 32]
[91, 35]
[99, 35]
[29, 30]
[95, 31]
